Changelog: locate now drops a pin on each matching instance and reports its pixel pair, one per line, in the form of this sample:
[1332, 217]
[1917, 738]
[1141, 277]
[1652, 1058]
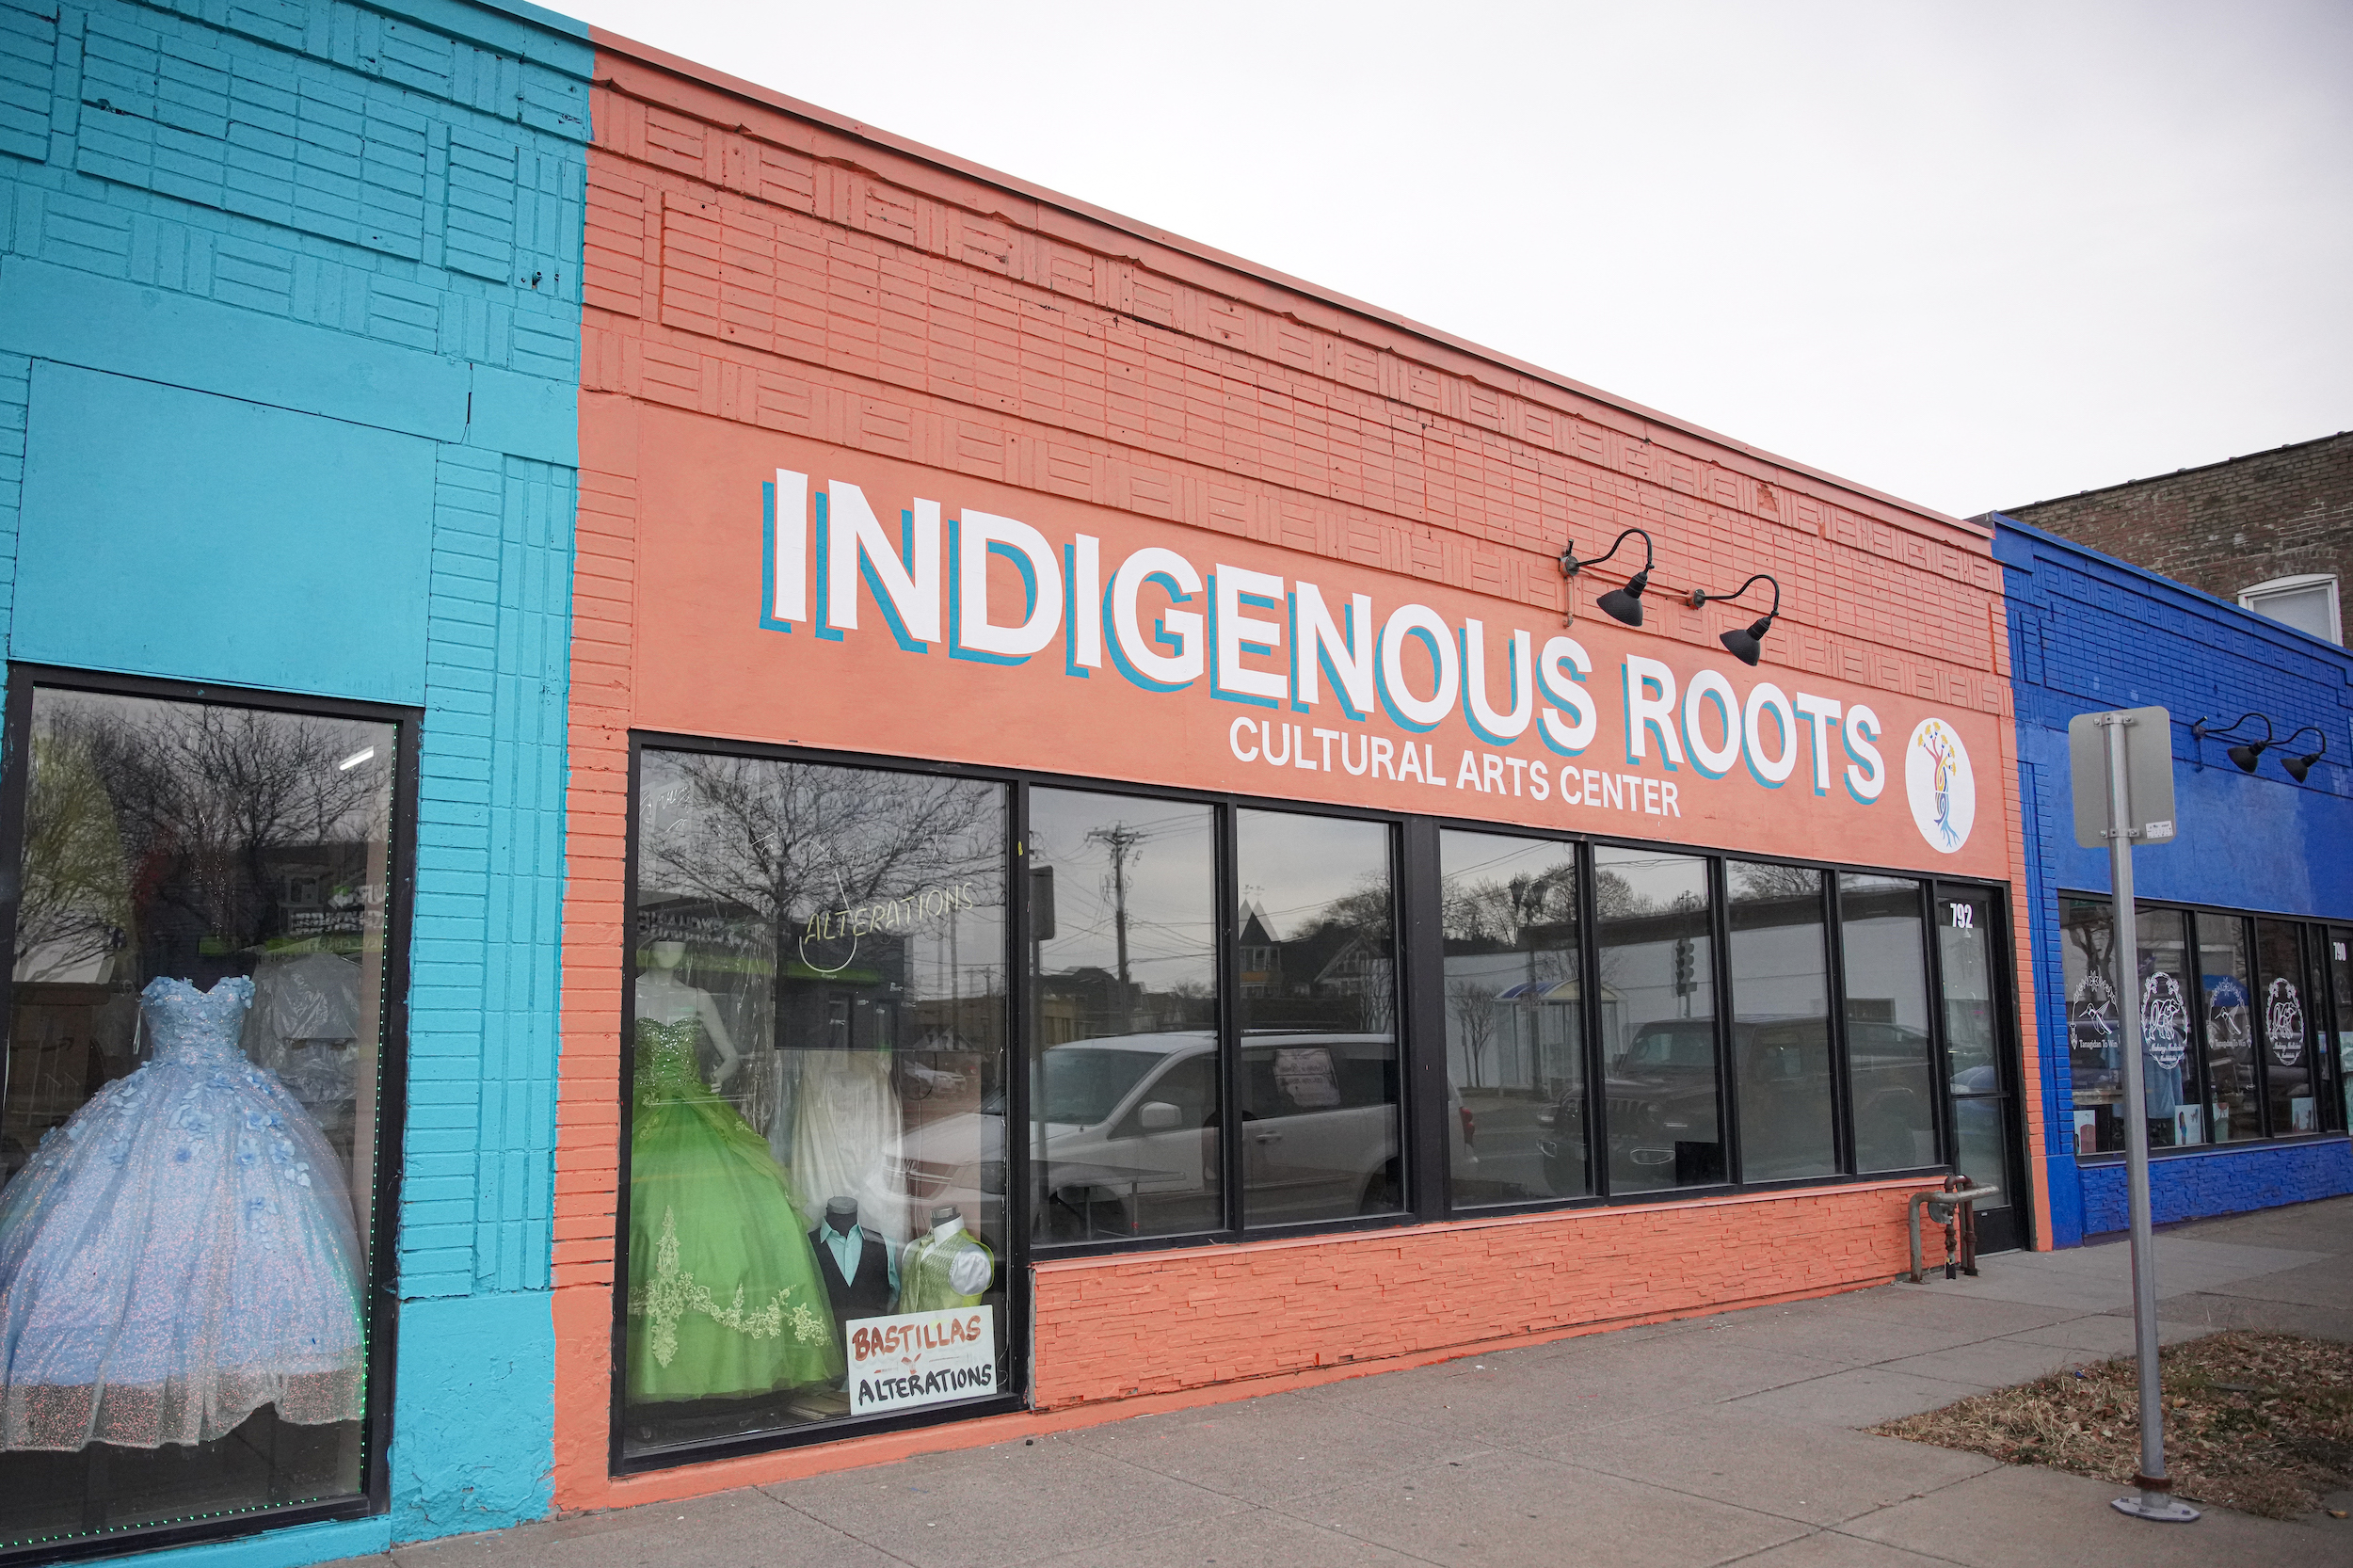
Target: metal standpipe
[2154, 1499]
[1946, 1203]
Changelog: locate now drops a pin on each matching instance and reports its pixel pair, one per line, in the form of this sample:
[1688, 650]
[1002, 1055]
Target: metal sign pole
[2156, 1499]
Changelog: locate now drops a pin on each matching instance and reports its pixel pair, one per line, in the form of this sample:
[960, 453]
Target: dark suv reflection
[1659, 1100]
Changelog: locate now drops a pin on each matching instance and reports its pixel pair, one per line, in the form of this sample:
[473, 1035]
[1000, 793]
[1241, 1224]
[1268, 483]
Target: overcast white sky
[1975, 255]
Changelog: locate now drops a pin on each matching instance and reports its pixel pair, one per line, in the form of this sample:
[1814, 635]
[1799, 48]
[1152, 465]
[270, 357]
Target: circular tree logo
[2164, 1021]
[1942, 787]
[2283, 1024]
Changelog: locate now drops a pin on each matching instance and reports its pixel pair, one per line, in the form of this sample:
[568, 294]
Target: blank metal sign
[2148, 742]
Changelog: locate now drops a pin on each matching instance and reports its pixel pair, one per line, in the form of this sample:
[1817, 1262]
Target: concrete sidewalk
[1716, 1440]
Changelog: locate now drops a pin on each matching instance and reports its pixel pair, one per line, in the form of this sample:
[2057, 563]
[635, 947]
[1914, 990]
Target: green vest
[940, 1273]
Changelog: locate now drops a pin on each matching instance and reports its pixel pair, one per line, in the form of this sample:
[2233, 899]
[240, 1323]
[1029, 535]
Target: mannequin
[663, 997]
[947, 1269]
[726, 1298]
[861, 1275]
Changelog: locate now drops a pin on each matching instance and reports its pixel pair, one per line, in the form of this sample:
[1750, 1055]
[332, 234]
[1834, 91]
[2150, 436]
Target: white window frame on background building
[2278, 588]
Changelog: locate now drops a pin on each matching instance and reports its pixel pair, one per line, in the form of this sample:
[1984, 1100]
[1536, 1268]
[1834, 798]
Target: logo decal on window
[2284, 1023]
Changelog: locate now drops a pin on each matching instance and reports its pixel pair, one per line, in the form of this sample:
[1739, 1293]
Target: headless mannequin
[667, 1000]
[948, 1267]
[864, 1284]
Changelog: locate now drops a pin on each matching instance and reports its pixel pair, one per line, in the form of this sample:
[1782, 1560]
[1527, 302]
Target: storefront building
[1106, 865]
[1078, 846]
[2244, 921]
[289, 305]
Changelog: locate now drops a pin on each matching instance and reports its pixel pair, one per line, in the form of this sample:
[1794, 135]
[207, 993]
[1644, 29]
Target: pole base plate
[2157, 1507]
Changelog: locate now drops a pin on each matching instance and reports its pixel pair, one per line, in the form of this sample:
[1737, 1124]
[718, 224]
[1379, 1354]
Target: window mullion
[1229, 1143]
[1727, 1051]
[1842, 1089]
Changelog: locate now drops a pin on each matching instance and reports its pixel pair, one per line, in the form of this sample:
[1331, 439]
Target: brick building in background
[2272, 531]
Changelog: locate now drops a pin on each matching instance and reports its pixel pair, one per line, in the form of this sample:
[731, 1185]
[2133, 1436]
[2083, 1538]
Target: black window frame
[1418, 955]
[1422, 960]
[381, 1318]
[2311, 929]
[1833, 986]
[2339, 1019]
[1014, 1264]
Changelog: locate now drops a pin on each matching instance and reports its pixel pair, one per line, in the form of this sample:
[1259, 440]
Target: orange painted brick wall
[1117, 1327]
[760, 262]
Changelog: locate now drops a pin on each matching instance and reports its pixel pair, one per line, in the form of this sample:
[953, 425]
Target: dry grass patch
[2258, 1422]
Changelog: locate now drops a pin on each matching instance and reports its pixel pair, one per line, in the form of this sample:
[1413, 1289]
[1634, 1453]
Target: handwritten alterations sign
[920, 1358]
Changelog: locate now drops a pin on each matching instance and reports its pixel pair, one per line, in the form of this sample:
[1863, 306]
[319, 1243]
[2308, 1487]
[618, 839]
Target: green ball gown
[724, 1294]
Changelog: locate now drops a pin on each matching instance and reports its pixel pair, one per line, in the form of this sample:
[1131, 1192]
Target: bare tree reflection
[786, 840]
[1493, 915]
[1760, 880]
[155, 825]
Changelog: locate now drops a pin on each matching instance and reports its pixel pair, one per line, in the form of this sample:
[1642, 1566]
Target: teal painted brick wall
[367, 214]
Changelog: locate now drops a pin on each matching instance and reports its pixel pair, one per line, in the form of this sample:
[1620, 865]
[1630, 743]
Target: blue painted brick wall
[2220, 1181]
[369, 215]
[2088, 633]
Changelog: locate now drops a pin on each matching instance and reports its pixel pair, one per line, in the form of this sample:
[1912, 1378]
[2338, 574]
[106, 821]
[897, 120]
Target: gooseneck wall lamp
[2246, 753]
[1748, 646]
[1621, 604]
[2300, 766]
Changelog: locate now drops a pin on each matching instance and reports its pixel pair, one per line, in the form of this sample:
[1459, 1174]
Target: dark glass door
[1977, 1058]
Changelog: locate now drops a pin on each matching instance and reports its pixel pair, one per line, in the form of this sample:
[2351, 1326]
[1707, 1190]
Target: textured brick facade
[355, 216]
[2226, 526]
[2219, 1181]
[758, 262]
[1116, 1328]
[2088, 633]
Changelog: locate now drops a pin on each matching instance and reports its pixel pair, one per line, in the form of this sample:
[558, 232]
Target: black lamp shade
[1625, 604]
[2299, 766]
[1748, 646]
[2247, 756]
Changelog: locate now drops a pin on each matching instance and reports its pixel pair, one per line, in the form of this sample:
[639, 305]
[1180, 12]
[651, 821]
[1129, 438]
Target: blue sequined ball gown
[179, 1254]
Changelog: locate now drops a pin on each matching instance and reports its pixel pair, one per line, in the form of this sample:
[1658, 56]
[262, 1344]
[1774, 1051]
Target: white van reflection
[1125, 1141]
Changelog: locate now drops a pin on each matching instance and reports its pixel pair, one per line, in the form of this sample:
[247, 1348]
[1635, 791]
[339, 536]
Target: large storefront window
[1890, 1081]
[2234, 1022]
[834, 1168]
[2341, 989]
[1318, 1008]
[2095, 1026]
[1656, 977]
[2233, 1096]
[1123, 1056]
[816, 1142]
[2169, 1065]
[1515, 1020]
[2319, 1017]
[2285, 1032]
[190, 1132]
[2170, 1058]
[1781, 1062]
